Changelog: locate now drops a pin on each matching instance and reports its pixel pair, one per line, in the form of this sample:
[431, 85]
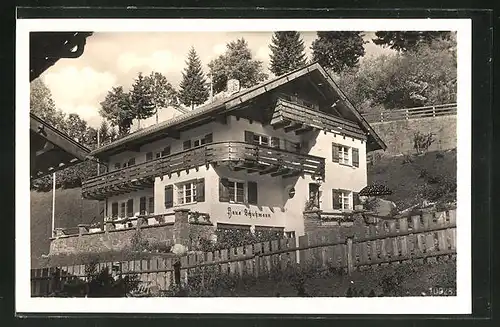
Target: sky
[112, 59]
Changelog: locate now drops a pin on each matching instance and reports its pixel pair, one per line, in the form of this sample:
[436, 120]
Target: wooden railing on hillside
[423, 237]
[411, 113]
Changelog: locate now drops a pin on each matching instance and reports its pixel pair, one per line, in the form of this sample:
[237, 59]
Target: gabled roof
[52, 150]
[225, 105]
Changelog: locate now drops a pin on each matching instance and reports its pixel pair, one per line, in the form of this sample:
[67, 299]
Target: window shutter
[200, 190]
[114, 209]
[355, 199]
[335, 152]
[248, 137]
[209, 138]
[337, 202]
[355, 157]
[131, 161]
[166, 151]
[149, 156]
[275, 142]
[130, 207]
[151, 205]
[169, 196]
[252, 193]
[223, 190]
[142, 205]
[122, 210]
[186, 145]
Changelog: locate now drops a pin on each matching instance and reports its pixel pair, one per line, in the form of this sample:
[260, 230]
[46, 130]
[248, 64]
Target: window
[117, 165]
[260, 139]
[130, 208]
[344, 155]
[149, 156]
[186, 193]
[342, 200]
[202, 141]
[122, 210]
[236, 191]
[142, 205]
[114, 210]
[151, 205]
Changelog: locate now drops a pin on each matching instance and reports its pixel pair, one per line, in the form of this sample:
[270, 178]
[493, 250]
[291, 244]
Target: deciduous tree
[404, 41]
[162, 92]
[236, 63]
[338, 50]
[118, 110]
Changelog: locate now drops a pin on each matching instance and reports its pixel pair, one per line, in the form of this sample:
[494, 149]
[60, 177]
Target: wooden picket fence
[422, 237]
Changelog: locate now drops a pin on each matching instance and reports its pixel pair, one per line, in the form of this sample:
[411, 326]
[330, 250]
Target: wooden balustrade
[238, 155]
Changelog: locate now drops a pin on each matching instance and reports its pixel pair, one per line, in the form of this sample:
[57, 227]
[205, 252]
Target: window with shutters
[114, 210]
[186, 192]
[343, 154]
[236, 191]
[261, 139]
[342, 200]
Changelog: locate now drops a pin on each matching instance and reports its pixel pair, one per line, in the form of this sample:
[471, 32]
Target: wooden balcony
[300, 117]
[235, 155]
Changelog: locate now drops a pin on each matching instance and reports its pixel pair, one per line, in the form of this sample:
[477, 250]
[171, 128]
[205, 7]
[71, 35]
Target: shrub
[99, 284]
[422, 142]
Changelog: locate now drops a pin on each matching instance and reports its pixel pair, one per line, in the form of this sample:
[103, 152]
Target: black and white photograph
[243, 166]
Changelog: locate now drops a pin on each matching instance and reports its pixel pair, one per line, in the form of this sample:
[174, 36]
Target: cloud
[79, 90]
[219, 49]
[163, 61]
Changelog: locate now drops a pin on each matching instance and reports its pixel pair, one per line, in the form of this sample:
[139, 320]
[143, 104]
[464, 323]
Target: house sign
[235, 212]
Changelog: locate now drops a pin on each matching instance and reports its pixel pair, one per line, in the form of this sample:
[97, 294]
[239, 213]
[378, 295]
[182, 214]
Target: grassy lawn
[71, 210]
[405, 279]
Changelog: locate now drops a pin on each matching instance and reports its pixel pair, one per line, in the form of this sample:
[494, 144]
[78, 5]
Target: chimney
[233, 86]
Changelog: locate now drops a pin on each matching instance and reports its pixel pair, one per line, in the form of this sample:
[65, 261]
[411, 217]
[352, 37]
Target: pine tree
[141, 99]
[287, 52]
[338, 50]
[193, 90]
[103, 132]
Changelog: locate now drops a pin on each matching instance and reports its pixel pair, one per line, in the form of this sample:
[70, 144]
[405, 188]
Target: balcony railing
[296, 116]
[236, 155]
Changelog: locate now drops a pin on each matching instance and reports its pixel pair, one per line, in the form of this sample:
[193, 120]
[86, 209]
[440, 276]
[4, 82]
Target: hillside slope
[71, 210]
[408, 179]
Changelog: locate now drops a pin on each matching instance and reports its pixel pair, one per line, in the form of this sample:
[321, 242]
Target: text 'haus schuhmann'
[250, 160]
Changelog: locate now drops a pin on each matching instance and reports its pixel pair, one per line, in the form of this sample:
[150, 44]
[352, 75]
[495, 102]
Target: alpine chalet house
[250, 160]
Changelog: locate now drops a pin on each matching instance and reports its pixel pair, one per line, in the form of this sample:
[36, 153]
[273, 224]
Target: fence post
[350, 263]
[433, 111]
[406, 114]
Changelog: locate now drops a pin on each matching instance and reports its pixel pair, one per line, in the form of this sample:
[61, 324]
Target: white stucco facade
[274, 208]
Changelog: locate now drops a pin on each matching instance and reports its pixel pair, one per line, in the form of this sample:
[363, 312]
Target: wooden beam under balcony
[270, 170]
[279, 122]
[293, 127]
[304, 130]
[281, 172]
[293, 174]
